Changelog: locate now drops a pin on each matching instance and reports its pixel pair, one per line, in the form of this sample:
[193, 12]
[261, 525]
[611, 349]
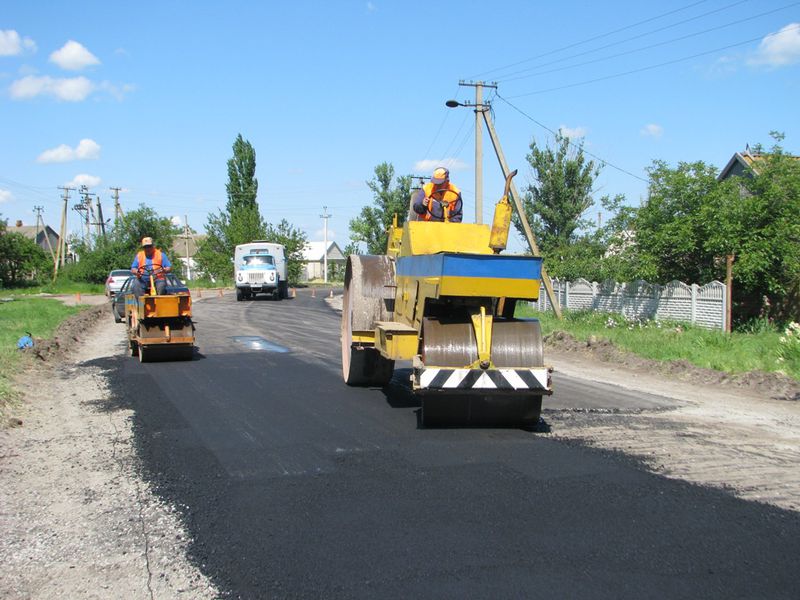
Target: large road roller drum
[368, 298]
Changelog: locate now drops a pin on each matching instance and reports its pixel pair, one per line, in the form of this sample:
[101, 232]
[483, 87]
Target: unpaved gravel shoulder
[727, 436]
[76, 519]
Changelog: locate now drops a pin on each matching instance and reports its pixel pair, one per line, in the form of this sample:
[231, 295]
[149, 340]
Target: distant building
[314, 256]
[744, 164]
[44, 236]
[184, 250]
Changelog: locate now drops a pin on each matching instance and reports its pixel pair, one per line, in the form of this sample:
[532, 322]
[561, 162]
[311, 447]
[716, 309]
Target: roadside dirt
[740, 433]
[76, 519]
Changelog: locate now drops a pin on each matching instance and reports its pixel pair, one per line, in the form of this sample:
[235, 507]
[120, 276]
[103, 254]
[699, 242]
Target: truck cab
[260, 268]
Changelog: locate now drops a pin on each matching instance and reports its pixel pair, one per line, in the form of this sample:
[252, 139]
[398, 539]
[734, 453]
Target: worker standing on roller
[439, 200]
[150, 260]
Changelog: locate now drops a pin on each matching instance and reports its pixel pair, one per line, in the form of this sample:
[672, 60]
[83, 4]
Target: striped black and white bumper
[435, 378]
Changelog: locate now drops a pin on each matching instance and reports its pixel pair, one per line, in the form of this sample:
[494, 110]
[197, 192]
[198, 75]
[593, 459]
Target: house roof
[746, 160]
[30, 231]
[315, 251]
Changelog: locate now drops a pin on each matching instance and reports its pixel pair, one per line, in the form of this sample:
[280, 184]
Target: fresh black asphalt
[293, 485]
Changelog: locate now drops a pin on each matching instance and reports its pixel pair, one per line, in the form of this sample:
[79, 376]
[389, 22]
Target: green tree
[391, 198]
[21, 259]
[241, 220]
[294, 240]
[758, 223]
[673, 226]
[116, 251]
[560, 193]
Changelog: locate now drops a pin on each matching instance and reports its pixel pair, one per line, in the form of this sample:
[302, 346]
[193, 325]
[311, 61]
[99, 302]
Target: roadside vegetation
[40, 317]
[764, 347]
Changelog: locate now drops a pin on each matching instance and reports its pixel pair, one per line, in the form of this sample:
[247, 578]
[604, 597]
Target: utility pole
[118, 215]
[186, 236]
[39, 220]
[101, 224]
[548, 285]
[61, 257]
[480, 108]
[325, 216]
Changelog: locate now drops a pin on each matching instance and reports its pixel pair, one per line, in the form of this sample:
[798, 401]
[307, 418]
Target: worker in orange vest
[439, 199]
[150, 260]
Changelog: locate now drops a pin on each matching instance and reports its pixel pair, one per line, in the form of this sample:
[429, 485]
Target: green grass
[40, 316]
[737, 352]
[59, 287]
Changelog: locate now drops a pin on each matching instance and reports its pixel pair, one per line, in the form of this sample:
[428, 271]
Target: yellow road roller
[443, 297]
[160, 327]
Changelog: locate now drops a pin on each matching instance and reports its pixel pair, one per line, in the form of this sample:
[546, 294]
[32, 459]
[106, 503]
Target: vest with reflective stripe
[156, 261]
[450, 194]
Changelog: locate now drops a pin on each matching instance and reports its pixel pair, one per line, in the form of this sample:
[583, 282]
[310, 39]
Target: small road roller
[443, 297]
[160, 327]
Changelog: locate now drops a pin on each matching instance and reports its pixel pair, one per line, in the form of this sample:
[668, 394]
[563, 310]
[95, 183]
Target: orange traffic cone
[294, 293]
[313, 292]
[219, 292]
[331, 294]
[77, 297]
[199, 293]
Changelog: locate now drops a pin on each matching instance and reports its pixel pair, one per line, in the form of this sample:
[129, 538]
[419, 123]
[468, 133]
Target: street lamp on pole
[480, 108]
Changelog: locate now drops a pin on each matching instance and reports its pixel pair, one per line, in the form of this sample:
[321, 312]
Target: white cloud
[11, 44]
[6, 196]
[118, 91]
[652, 130]
[70, 89]
[779, 49]
[85, 150]
[73, 56]
[89, 181]
[176, 221]
[426, 166]
[573, 133]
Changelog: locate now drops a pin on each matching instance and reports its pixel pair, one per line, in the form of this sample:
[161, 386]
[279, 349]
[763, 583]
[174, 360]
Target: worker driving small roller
[150, 266]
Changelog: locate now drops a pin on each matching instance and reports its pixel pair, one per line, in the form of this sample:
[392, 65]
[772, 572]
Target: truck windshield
[261, 259]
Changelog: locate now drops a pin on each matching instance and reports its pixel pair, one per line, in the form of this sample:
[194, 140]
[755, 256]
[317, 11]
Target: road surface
[293, 485]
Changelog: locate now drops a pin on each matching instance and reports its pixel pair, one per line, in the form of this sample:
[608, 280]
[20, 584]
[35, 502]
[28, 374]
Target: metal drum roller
[368, 297]
[515, 344]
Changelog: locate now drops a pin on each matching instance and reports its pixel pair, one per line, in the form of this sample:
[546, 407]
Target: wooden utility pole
[548, 285]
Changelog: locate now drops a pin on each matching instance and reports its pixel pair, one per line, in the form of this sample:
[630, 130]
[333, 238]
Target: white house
[314, 256]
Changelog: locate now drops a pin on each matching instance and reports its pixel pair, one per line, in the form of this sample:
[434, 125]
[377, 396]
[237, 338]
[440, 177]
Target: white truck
[260, 268]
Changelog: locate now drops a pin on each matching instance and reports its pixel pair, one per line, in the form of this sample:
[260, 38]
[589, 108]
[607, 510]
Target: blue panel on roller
[470, 265]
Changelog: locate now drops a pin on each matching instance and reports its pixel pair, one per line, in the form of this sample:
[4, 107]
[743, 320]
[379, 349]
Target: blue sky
[149, 96]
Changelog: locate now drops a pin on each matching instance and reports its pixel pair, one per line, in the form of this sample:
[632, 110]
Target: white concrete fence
[676, 301]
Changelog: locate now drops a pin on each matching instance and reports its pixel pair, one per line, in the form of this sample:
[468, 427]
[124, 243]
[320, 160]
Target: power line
[634, 50]
[591, 39]
[604, 161]
[441, 125]
[649, 67]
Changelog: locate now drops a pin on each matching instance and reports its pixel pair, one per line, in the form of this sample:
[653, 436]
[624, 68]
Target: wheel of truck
[276, 295]
[239, 294]
[368, 298]
[283, 286]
